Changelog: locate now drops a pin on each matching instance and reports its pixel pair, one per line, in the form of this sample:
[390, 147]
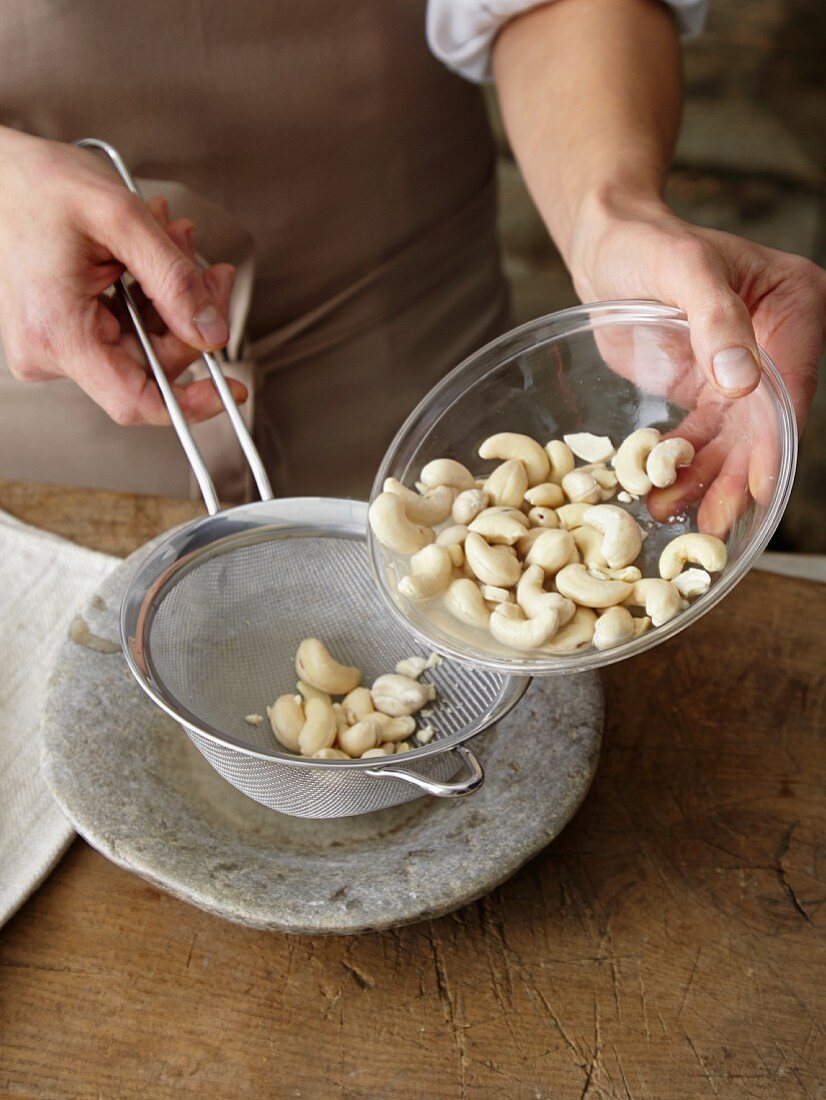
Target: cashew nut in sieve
[589, 447]
[447, 471]
[497, 565]
[431, 508]
[661, 465]
[499, 528]
[613, 627]
[342, 722]
[692, 583]
[552, 550]
[589, 544]
[469, 504]
[622, 541]
[382, 750]
[629, 461]
[452, 536]
[359, 738]
[546, 495]
[509, 626]
[508, 483]
[357, 704]
[577, 635]
[581, 487]
[307, 691]
[393, 529]
[512, 445]
[561, 458]
[570, 515]
[319, 729]
[399, 695]
[543, 517]
[432, 569]
[660, 598]
[575, 582]
[286, 717]
[465, 602]
[533, 599]
[316, 666]
[705, 550]
[395, 729]
[330, 754]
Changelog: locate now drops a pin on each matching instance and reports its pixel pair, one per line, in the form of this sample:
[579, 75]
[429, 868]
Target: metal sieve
[215, 612]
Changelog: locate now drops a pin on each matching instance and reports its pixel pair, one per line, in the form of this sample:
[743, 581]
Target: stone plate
[135, 787]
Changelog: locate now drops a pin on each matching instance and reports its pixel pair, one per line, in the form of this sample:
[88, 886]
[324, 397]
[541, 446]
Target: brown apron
[326, 142]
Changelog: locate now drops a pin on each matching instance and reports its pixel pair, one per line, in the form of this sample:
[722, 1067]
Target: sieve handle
[455, 789]
[211, 362]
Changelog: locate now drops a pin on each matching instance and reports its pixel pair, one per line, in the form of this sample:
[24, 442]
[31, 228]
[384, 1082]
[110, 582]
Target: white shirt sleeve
[460, 32]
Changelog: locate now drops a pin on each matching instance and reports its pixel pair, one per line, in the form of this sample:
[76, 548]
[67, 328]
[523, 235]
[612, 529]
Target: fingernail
[736, 369]
[211, 325]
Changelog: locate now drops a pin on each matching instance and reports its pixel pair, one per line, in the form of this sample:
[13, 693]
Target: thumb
[191, 305]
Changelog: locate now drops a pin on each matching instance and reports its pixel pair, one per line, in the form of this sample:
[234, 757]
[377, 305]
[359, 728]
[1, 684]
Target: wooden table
[669, 944]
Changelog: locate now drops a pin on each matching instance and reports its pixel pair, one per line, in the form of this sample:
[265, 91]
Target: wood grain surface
[670, 944]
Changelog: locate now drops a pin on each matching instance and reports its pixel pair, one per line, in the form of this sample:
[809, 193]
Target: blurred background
[751, 161]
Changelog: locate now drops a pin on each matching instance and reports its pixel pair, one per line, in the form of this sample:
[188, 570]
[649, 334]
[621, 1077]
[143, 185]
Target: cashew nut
[395, 729]
[570, 515]
[581, 487]
[494, 594]
[508, 483]
[359, 738]
[393, 529]
[447, 471]
[399, 695]
[629, 461]
[317, 667]
[307, 691]
[606, 479]
[330, 754]
[546, 495]
[319, 729]
[431, 571]
[551, 550]
[498, 527]
[576, 635]
[543, 517]
[506, 510]
[663, 461]
[382, 750]
[613, 627]
[452, 536]
[692, 582]
[575, 582]
[492, 564]
[509, 626]
[341, 718]
[629, 573]
[533, 599]
[660, 598]
[589, 544]
[561, 458]
[429, 509]
[465, 602]
[705, 550]
[469, 504]
[528, 539]
[457, 555]
[641, 626]
[357, 704]
[512, 445]
[286, 717]
[622, 541]
[589, 447]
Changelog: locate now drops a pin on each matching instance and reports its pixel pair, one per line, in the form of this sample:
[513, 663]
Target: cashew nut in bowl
[498, 528]
[622, 541]
[528, 539]
[452, 536]
[613, 627]
[357, 704]
[509, 626]
[393, 529]
[431, 508]
[629, 573]
[629, 461]
[561, 458]
[661, 465]
[692, 583]
[319, 729]
[533, 599]
[492, 594]
[496, 565]
[705, 550]
[465, 602]
[589, 544]
[431, 571]
[589, 447]
[542, 517]
[508, 483]
[512, 445]
[570, 515]
[577, 635]
[660, 598]
[546, 495]
[359, 738]
[552, 550]
[506, 510]
[575, 582]
[316, 666]
[447, 471]
[469, 504]
[581, 487]
[399, 695]
[457, 555]
[286, 717]
[641, 626]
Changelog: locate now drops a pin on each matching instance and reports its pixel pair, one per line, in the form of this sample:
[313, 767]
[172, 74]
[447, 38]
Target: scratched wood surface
[669, 945]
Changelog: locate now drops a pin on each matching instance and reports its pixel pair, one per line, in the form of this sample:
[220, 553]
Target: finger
[728, 495]
[183, 295]
[159, 209]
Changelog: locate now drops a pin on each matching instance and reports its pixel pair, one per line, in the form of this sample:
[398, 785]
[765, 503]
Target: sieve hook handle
[455, 789]
[210, 360]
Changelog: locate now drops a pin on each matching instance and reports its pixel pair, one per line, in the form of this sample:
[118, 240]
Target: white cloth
[460, 32]
[44, 580]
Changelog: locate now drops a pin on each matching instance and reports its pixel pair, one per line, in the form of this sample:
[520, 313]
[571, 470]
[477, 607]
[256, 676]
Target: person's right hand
[68, 229]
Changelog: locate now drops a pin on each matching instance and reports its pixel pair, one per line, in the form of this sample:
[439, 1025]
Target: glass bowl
[608, 368]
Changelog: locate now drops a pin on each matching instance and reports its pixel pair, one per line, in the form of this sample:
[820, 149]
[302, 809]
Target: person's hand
[69, 228]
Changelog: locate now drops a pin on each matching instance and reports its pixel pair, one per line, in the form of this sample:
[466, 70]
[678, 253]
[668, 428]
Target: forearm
[590, 93]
